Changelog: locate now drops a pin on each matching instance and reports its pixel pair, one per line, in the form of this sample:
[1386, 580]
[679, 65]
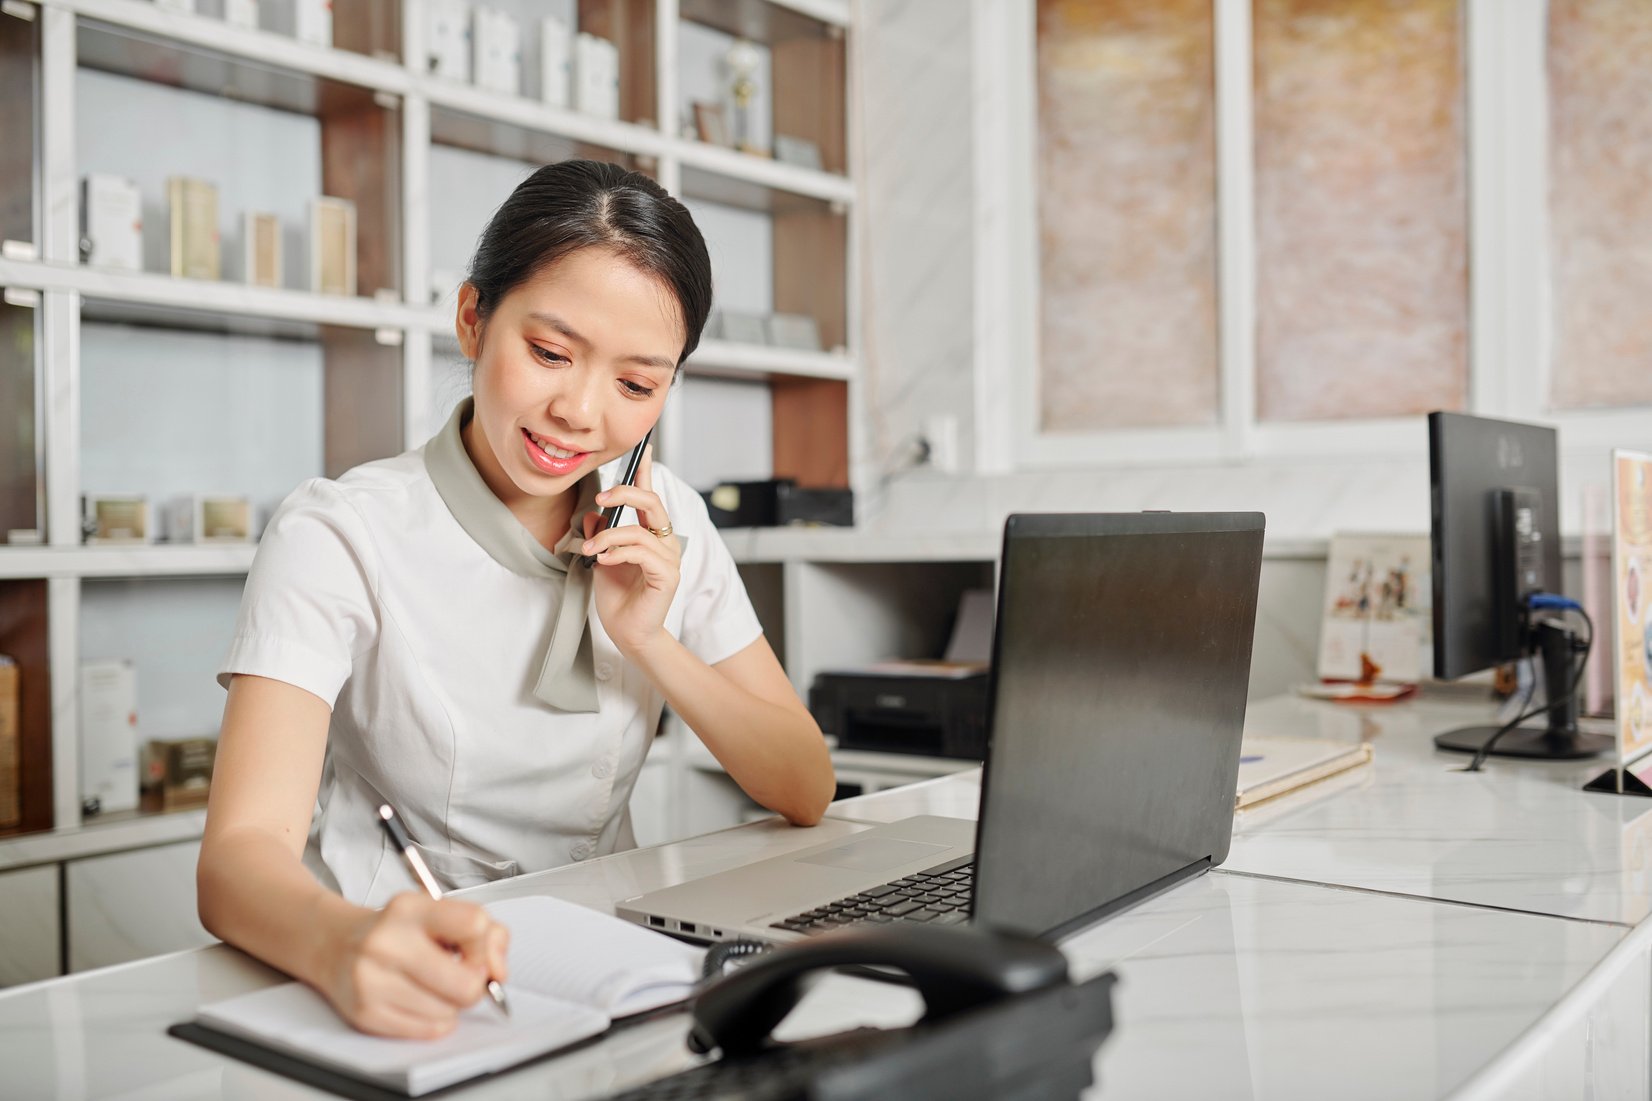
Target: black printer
[927, 708]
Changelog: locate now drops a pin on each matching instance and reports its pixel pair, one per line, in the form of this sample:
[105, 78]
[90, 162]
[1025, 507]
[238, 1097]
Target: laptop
[1121, 662]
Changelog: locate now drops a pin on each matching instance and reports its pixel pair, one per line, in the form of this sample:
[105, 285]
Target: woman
[421, 632]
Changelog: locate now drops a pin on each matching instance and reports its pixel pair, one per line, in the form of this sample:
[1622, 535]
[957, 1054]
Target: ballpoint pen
[415, 863]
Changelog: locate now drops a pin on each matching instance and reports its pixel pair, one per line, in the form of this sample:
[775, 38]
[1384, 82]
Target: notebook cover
[343, 1085]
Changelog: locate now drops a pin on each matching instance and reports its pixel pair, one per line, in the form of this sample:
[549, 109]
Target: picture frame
[710, 125]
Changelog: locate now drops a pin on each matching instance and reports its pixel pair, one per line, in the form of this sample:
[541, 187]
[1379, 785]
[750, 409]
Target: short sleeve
[718, 619]
[308, 609]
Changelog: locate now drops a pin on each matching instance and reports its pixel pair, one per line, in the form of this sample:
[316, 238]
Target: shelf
[118, 832]
[200, 304]
[158, 560]
[481, 106]
[763, 361]
[221, 57]
[728, 176]
[769, 21]
[851, 545]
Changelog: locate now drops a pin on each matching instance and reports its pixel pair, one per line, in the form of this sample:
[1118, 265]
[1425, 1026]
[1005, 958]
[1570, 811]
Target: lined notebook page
[585, 956]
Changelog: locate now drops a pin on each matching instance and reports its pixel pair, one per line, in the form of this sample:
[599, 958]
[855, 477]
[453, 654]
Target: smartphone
[610, 515]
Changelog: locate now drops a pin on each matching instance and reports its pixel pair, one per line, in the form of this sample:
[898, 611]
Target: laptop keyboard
[938, 896]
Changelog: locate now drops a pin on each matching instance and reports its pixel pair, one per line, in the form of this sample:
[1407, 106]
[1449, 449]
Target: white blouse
[367, 593]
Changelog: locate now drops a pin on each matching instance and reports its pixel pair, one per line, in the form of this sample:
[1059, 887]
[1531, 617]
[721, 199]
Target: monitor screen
[1495, 535]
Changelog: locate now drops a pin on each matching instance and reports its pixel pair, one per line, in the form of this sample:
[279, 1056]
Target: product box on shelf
[192, 210]
[555, 61]
[209, 518]
[448, 33]
[497, 51]
[179, 770]
[116, 518]
[332, 245]
[306, 20]
[596, 76]
[111, 222]
[11, 743]
[108, 736]
[261, 249]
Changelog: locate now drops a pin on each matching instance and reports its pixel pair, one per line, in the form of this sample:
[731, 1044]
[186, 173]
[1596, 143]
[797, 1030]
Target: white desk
[1482, 936]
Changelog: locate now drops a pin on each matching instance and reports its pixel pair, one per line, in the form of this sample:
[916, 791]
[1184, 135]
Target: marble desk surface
[1232, 985]
[1520, 835]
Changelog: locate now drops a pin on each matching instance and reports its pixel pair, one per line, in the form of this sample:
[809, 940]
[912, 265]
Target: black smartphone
[610, 515]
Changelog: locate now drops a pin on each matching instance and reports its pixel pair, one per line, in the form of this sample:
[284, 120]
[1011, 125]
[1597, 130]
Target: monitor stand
[1560, 739]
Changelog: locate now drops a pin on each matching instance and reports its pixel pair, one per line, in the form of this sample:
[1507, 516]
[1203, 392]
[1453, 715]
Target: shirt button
[603, 769]
[605, 670]
[580, 851]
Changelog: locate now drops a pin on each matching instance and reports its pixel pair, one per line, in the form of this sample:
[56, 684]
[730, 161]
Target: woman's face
[571, 369]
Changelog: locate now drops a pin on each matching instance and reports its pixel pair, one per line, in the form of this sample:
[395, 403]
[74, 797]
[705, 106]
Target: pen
[415, 863]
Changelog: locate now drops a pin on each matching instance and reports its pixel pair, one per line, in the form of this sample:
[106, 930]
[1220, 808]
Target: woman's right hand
[408, 969]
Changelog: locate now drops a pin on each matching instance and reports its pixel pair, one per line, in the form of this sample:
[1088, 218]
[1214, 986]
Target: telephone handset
[610, 515]
[1002, 1019]
[953, 969]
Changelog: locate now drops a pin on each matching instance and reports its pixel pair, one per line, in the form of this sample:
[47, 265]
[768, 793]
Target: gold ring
[660, 533]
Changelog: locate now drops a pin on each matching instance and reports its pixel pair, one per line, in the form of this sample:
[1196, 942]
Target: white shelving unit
[396, 329]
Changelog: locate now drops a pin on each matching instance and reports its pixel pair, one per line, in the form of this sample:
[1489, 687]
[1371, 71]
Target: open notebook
[573, 971]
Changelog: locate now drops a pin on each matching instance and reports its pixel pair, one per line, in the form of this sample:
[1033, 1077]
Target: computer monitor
[1495, 535]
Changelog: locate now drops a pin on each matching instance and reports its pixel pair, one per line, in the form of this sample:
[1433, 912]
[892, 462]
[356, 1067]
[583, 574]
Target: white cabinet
[30, 947]
[129, 905]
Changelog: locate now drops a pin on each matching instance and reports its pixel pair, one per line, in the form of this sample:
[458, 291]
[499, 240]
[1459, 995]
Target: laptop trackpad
[874, 854]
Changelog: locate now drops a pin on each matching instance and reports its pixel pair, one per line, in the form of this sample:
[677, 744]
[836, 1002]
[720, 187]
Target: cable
[1543, 601]
[721, 954]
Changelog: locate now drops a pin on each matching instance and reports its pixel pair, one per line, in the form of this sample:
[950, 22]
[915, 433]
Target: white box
[497, 52]
[332, 246]
[449, 39]
[596, 76]
[111, 222]
[261, 249]
[241, 13]
[306, 20]
[555, 61]
[116, 518]
[185, 6]
[108, 736]
[209, 518]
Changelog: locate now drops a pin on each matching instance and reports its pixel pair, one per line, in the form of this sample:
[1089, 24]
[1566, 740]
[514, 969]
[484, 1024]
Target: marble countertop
[1241, 983]
[1520, 835]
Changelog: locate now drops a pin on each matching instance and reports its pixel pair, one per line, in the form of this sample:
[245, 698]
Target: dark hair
[572, 205]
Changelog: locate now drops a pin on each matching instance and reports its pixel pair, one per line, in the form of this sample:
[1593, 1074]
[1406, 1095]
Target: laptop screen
[1120, 670]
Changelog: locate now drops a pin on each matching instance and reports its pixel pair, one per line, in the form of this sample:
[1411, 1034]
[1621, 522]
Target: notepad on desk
[1274, 766]
[573, 971]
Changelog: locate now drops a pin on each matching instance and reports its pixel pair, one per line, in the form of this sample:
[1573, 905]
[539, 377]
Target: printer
[926, 708]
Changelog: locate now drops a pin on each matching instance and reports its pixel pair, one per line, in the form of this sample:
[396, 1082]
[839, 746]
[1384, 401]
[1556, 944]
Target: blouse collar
[566, 680]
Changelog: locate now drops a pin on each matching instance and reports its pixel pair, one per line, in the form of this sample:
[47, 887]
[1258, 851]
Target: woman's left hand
[637, 571]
